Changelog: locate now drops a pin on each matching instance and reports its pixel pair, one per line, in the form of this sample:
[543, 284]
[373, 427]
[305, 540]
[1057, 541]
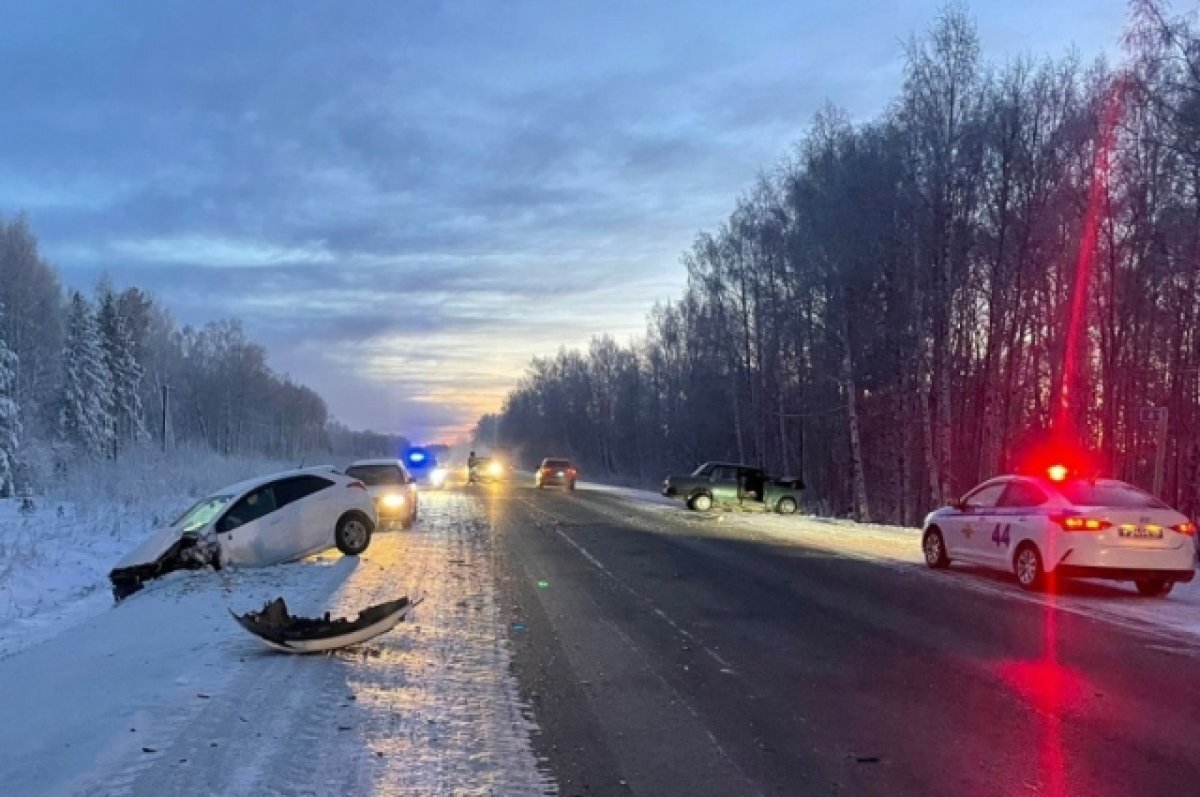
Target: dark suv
[732, 485]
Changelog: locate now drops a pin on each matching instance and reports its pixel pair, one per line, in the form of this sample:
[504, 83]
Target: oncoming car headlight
[438, 477]
[392, 501]
[495, 469]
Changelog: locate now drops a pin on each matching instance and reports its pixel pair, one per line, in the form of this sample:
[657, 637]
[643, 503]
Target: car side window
[297, 487]
[1022, 494]
[724, 475]
[249, 508]
[985, 496]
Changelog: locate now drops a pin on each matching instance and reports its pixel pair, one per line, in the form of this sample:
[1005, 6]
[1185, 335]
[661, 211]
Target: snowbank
[55, 553]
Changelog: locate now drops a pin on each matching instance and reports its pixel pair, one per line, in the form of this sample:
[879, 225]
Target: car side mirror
[957, 503]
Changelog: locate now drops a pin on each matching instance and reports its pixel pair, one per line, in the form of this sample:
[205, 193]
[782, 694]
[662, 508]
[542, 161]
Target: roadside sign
[1153, 414]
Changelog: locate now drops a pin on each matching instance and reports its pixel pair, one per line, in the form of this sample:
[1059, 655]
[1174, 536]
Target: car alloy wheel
[353, 535]
[702, 503]
[1028, 567]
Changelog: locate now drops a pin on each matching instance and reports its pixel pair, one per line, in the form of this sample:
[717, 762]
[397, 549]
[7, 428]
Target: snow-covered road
[164, 694]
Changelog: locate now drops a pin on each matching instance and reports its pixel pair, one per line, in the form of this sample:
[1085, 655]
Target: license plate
[1139, 533]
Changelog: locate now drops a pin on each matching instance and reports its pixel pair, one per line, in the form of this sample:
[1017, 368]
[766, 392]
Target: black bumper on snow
[1124, 573]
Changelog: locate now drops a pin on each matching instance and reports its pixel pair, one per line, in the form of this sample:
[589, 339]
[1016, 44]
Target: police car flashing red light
[1059, 524]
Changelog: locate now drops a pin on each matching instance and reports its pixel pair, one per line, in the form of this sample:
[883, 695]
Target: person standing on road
[472, 463]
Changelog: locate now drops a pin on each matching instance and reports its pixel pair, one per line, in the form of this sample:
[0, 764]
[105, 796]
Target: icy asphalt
[669, 653]
[603, 642]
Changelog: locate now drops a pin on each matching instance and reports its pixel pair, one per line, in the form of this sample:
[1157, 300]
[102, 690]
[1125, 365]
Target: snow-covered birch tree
[10, 420]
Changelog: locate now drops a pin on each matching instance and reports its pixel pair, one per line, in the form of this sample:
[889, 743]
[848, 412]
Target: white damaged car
[255, 523]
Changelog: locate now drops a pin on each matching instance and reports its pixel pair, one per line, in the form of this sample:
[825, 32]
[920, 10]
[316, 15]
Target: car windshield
[201, 513]
[376, 475]
[1114, 495]
[703, 470]
[557, 463]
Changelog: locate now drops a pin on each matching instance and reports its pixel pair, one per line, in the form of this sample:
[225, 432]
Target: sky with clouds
[406, 201]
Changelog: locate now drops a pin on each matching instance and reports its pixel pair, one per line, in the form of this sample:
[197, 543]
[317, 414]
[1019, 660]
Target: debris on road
[282, 631]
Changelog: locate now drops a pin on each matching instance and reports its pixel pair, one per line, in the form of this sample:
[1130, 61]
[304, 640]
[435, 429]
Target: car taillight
[1081, 523]
[1187, 527]
[357, 484]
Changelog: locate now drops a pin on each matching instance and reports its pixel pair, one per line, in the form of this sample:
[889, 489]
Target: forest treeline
[83, 378]
[887, 312]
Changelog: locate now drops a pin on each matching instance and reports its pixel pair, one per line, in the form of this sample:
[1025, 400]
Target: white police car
[1041, 527]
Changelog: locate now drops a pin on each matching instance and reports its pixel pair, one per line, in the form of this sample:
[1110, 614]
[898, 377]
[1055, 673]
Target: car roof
[1049, 485]
[731, 465]
[366, 462]
[249, 484]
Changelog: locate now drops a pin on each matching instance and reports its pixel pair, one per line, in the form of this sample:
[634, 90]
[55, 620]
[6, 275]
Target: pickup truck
[729, 484]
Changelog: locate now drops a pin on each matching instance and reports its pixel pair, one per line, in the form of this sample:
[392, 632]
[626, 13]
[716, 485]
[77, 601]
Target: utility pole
[1160, 456]
[166, 389]
[1158, 417]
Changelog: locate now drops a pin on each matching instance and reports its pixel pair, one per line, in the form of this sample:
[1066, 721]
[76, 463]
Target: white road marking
[596, 563]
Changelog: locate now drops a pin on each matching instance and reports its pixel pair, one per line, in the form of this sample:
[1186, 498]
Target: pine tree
[86, 416]
[124, 372]
[10, 421]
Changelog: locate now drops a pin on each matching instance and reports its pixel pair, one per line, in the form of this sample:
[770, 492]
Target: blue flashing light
[416, 456]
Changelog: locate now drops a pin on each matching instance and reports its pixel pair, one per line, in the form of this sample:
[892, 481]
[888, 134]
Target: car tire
[700, 502]
[934, 547]
[1028, 567]
[353, 533]
[787, 506]
[1154, 587]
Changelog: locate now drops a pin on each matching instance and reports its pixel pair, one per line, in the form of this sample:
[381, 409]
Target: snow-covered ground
[55, 554]
[165, 694]
[1178, 615]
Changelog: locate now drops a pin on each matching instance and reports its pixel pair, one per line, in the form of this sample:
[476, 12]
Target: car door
[1014, 518]
[752, 484]
[249, 531]
[723, 484]
[969, 530]
[309, 512]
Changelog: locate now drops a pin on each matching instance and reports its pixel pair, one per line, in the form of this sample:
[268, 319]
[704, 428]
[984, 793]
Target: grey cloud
[495, 180]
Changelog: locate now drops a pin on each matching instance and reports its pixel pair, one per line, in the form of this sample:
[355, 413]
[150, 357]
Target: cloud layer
[406, 201]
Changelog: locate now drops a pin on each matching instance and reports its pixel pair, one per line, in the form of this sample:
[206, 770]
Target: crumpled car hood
[164, 551]
[155, 545]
